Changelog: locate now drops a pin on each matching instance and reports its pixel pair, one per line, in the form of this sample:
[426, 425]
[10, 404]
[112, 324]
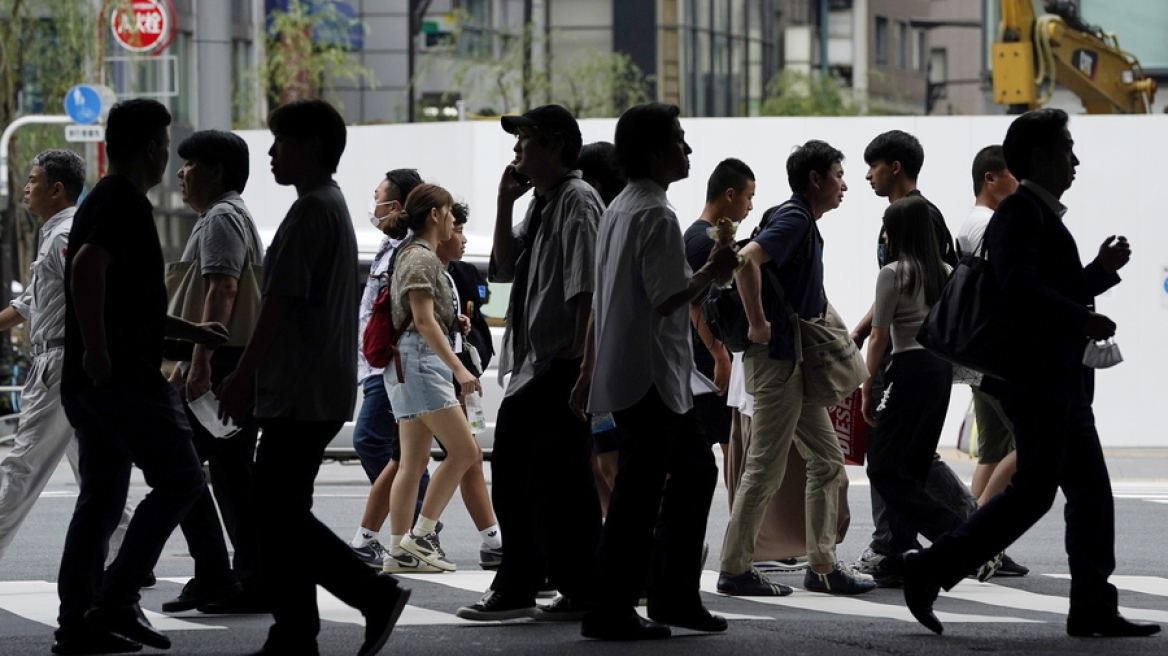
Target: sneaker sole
[420, 568]
[771, 566]
[468, 613]
[429, 559]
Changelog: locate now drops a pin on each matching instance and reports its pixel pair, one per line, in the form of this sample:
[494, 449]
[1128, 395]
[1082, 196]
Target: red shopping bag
[848, 421]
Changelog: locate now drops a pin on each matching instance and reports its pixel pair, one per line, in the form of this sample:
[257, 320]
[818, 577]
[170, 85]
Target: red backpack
[379, 342]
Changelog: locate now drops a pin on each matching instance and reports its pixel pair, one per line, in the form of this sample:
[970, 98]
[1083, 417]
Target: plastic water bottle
[475, 414]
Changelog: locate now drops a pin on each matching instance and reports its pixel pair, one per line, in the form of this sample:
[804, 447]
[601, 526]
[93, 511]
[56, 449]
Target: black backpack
[722, 309]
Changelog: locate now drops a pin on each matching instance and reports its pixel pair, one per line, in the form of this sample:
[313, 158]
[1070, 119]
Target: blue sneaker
[750, 583]
[841, 581]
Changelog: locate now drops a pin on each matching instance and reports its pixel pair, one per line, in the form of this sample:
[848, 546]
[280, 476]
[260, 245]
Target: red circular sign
[144, 26]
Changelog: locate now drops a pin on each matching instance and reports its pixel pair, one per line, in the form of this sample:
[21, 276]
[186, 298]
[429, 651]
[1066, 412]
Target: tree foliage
[307, 52]
[489, 69]
[793, 93]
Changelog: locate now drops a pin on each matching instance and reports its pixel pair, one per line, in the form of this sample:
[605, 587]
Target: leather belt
[44, 347]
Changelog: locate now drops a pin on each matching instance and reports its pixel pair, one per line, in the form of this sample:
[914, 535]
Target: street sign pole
[7, 136]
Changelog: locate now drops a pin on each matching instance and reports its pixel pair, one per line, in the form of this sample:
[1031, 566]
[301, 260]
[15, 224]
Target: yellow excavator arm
[1033, 51]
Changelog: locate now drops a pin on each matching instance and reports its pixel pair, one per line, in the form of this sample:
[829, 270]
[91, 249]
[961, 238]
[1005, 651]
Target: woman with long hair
[424, 398]
[911, 412]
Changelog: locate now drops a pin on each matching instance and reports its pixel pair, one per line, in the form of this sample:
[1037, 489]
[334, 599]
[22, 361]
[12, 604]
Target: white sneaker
[405, 563]
[868, 562]
[427, 549]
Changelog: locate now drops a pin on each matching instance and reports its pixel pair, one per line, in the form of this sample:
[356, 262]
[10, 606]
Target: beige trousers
[780, 420]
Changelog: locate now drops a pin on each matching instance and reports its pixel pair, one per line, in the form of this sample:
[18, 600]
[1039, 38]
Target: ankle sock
[424, 526]
[363, 538]
[395, 547]
[492, 537]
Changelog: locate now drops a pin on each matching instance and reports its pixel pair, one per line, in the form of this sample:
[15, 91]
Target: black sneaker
[1010, 567]
[372, 554]
[750, 583]
[562, 609]
[494, 606]
[987, 570]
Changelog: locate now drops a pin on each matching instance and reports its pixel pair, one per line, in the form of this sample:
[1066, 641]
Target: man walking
[44, 434]
[639, 367]
[124, 411]
[791, 247]
[543, 491]
[1047, 392]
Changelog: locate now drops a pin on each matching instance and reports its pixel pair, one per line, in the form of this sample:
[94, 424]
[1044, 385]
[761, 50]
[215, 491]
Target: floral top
[418, 268]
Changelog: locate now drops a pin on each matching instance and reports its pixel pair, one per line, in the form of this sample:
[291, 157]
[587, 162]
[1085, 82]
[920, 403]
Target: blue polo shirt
[785, 239]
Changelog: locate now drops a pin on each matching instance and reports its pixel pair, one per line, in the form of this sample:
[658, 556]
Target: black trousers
[287, 462]
[1058, 447]
[542, 487]
[900, 457]
[231, 464]
[657, 516]
[117, 428]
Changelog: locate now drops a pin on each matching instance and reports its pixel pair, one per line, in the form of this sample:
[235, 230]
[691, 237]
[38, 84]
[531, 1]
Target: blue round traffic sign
[83, 104]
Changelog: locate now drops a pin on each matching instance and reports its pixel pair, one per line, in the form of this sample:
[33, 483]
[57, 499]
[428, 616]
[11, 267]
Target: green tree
[307, 51]
[793, 93]
[44, 50]
[489, 69]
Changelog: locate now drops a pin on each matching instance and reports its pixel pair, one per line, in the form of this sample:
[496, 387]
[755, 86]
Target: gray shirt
[902, 313]
[308, 372]
[43, 302]
[561, 269]
[640, 264]
[219, 239]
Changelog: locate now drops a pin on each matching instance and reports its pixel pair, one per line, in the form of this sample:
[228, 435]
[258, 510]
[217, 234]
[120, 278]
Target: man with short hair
[122, 408]
[44, 435]
[542, 474]
[729, 195]
[791, 247]
[299, 364]
[1046, 390]
[223, 246]
[997, 457]
[894, 161]
[638, 367]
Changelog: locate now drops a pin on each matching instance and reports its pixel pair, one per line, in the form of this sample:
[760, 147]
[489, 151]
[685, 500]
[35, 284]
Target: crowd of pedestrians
[617, 389]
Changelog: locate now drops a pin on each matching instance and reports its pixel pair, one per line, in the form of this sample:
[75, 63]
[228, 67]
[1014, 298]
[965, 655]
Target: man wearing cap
[543, 491]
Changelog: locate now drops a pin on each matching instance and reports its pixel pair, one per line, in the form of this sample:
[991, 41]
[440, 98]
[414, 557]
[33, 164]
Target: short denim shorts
[428, 385]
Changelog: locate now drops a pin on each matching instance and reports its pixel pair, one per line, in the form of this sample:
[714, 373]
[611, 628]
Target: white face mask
[373, 218]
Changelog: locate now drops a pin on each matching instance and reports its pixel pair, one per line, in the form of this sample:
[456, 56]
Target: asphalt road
[1005, 616]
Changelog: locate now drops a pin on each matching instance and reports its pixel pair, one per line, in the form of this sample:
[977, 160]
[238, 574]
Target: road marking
[822, 603]
[997, 595]
[1152, 585]
[37, 601]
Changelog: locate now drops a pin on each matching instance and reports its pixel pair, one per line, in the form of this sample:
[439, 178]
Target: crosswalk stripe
[1152, 585]
[855, 606]
[37, 601]
[997, 595]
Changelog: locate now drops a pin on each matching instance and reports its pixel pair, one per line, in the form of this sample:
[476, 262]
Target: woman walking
[423, 398]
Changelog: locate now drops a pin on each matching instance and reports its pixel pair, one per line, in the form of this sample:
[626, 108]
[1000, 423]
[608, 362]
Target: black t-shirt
[472, 291]
[944, 238]
[119, 219]
[698, 245]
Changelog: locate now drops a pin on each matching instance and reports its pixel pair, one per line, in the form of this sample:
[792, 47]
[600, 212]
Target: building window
[903, 44]
[881, 40]
[939, 72]
[920, 60]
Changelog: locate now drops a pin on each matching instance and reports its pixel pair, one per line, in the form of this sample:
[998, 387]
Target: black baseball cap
[553, 118]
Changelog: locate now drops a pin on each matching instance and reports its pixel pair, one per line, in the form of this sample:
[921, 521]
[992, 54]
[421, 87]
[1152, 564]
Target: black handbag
[722, 308]
[968, 325]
